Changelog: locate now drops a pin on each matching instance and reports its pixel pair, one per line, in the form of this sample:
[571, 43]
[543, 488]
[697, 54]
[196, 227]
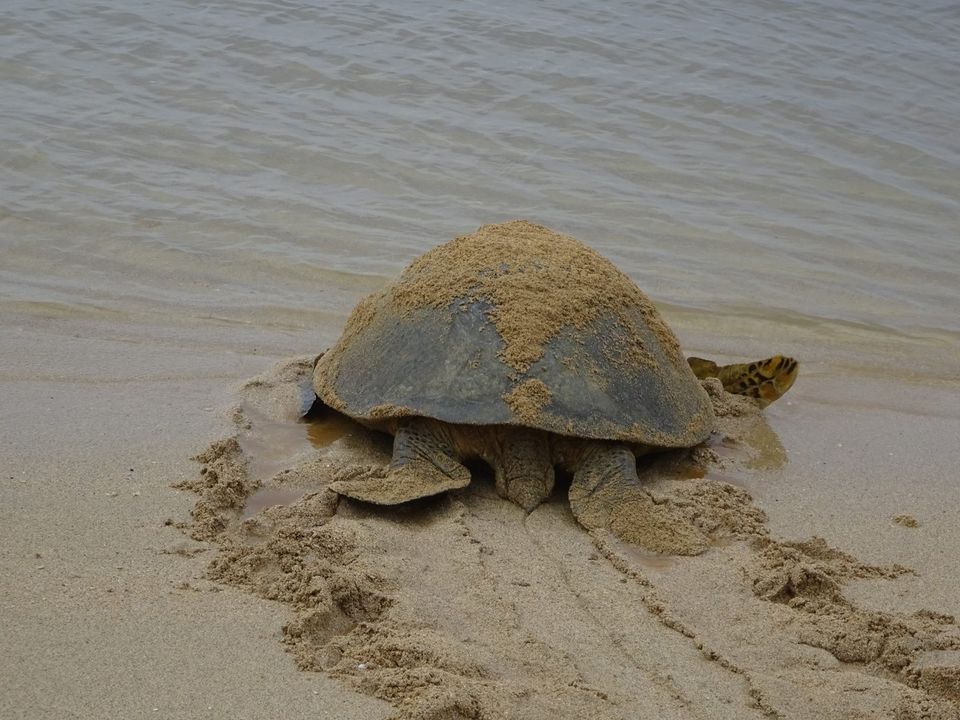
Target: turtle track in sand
[465, 607]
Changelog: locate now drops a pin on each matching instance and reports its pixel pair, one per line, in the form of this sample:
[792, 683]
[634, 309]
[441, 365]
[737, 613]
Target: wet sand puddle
[463, 606]
[273, 445]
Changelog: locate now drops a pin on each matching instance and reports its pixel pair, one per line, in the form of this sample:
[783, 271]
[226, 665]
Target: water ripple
[805, 155]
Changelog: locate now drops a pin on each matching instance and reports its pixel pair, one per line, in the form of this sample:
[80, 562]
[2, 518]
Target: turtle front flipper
[424, 463]
[765, 380]
[606, 493]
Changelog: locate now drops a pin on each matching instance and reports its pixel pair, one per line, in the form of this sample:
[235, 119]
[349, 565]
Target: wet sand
[107, 609]
[112, 608]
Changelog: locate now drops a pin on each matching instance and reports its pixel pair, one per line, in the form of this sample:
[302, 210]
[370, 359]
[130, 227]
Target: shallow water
[770, 173]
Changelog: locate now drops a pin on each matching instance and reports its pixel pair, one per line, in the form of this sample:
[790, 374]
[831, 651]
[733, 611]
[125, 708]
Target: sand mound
[224, 486]
[809, 576]
[462, 606]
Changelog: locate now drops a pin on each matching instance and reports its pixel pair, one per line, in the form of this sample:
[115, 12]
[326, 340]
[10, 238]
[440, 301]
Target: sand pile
[463, 606]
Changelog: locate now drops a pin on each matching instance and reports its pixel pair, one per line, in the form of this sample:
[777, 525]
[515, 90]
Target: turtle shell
[517, 325]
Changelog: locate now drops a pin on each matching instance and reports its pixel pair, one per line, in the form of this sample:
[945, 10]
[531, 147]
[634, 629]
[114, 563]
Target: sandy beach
[106, 609]
[829, 592]
[193, 197]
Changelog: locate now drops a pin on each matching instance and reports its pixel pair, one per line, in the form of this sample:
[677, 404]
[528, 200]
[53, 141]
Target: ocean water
[769, 172]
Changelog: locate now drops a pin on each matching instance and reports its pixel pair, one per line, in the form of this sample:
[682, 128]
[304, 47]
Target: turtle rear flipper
[424, 463]
[765, 380]
[606, 493]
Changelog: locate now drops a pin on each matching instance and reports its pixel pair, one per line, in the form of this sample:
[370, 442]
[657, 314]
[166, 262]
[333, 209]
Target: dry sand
[462, 606]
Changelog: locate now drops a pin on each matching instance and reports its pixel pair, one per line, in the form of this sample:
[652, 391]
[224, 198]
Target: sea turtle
[527, 349]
